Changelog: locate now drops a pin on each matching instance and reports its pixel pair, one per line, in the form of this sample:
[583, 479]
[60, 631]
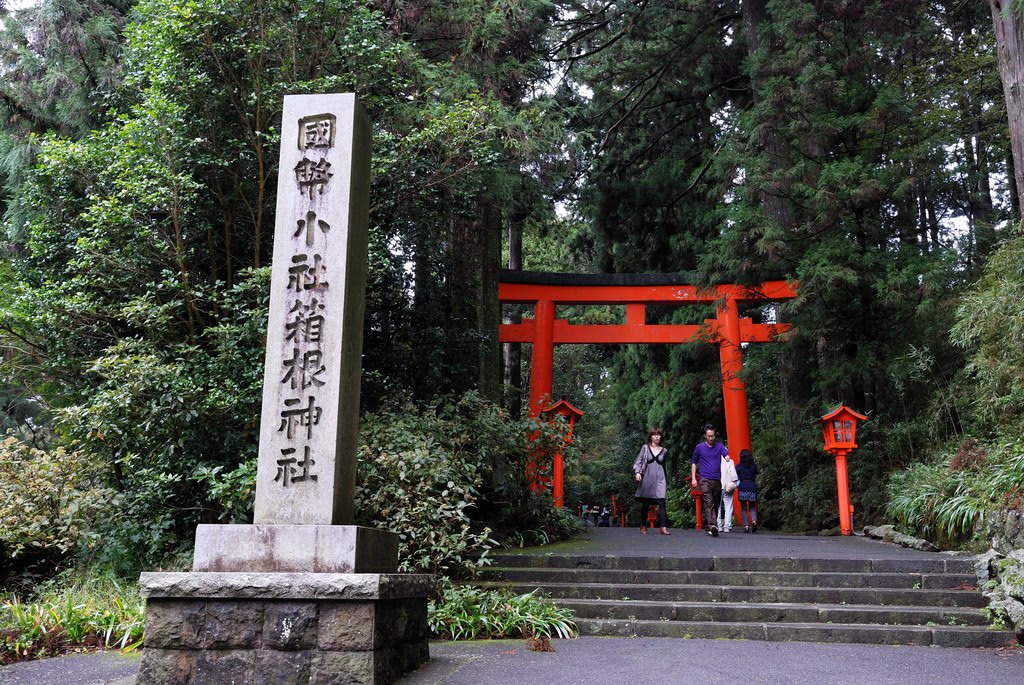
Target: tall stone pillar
[302, 595]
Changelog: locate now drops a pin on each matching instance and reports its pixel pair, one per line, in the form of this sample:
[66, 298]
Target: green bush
[49, 502]
[421, 472]
[465, 612]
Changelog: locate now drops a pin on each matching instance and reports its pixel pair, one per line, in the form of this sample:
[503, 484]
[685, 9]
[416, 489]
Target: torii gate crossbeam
[545, 291]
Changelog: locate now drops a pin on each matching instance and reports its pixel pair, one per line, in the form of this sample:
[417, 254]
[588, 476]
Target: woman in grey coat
[649, 469]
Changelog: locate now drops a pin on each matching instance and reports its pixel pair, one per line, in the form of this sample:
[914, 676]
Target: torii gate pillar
[734, 392]
[543, 360]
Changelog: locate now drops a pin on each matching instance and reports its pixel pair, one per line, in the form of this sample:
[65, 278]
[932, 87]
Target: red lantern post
[695, 493]
[561, 408]
[839, 428]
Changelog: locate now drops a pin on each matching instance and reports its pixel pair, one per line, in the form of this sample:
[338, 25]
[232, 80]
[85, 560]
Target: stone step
[745, 578]
[939, 564]
[939, 636]
[763, 594]
[774, 613]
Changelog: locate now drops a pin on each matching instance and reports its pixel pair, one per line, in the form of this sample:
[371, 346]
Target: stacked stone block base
[250, 629]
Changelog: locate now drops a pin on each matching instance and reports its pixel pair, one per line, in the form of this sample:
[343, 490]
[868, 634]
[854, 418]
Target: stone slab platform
[351, 586]
[274, 548]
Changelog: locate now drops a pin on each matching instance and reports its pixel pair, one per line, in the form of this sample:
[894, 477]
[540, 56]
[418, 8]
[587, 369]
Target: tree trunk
[1011, 183]
[488, 306]
[922, 217]
[980, 198]
[795, 394]
[1009, 29]
[755, 16]
[475, 256]
[514, 351]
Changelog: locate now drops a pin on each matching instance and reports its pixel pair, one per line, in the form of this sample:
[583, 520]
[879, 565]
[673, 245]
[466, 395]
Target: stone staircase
[875, 601]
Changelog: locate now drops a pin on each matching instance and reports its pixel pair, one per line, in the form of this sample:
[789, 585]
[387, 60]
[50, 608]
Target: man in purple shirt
[707, 460]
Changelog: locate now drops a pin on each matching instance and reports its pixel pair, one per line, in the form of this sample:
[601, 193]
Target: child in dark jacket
[746, 470]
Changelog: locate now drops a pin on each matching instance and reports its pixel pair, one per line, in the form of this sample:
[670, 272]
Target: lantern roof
[563, 407]
[841, 411]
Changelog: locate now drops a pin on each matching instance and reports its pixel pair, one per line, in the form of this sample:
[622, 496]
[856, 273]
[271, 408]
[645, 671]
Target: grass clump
[68, 613]
[946, 500]
[467, 612]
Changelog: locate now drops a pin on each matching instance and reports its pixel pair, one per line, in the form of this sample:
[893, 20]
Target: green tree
[61, 66]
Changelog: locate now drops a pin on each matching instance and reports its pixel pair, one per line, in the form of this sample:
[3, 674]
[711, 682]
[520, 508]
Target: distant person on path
[649, 471]
[729, 482]
[746, 471]
[707, 461]
[606, 517]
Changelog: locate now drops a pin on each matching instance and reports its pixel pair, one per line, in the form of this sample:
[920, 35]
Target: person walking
[746, 471]
[707, 461]
[729, 482]
[649, 471]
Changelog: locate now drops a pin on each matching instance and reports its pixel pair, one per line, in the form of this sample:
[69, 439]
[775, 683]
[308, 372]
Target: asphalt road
[100, 668]
[625, 661]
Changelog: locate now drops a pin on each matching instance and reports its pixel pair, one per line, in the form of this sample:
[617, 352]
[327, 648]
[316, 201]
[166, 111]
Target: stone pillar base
[287, 628]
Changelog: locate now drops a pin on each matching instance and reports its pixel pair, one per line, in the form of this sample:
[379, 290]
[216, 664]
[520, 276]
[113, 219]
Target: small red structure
[561, 408]
[695, 494]
[839, 428]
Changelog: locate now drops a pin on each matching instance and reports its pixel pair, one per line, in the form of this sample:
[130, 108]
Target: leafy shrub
[969, 457]
[418, 474]
[538, 523]
[96, 611]
[465, 612]
[422, 472]
[49, 501]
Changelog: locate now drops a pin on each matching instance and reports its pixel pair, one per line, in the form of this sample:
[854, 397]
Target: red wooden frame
[728, 330]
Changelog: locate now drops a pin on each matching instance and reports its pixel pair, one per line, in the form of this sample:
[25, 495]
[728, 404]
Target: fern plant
[466, 612]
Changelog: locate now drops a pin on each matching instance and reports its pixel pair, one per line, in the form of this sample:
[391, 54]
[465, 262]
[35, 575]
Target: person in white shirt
[729, 482]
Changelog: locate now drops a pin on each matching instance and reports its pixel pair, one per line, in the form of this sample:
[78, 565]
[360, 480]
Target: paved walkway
[618, 661]
[624, 661]
[696, 543]
[98, 668]
[614, 661]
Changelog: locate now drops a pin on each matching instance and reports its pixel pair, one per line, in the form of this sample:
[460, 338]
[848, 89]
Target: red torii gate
[547, 290]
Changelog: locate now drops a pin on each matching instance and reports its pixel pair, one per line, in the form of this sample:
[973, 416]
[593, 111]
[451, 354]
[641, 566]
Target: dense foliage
[859, 147]
[946, 495]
